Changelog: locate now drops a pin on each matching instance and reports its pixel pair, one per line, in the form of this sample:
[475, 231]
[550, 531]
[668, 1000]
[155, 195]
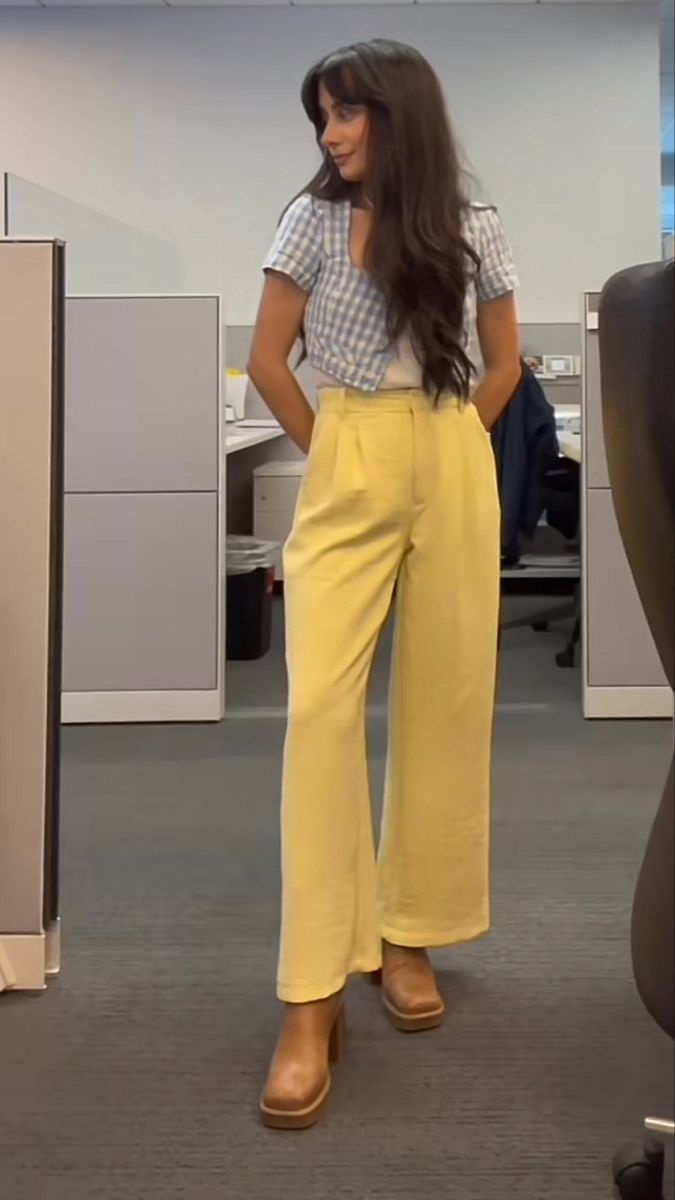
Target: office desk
[243, 437]
[570, 445]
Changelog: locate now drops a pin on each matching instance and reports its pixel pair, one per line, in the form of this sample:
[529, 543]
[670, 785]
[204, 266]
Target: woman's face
[345, 135]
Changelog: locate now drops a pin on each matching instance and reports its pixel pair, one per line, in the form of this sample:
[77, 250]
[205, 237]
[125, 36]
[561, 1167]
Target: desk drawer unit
[275, 496]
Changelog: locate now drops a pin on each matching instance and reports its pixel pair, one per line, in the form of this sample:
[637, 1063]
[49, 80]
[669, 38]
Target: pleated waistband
[351, 400]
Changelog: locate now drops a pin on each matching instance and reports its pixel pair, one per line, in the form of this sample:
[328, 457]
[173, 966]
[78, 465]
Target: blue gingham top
[345, 318]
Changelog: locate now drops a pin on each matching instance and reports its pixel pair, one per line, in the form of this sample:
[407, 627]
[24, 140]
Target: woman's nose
[328, 136]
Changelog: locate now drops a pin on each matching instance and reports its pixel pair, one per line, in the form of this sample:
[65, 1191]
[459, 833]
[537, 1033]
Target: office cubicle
[143, 619]
[31, 504]
[144, 484]
[622, 672]
[103, 255]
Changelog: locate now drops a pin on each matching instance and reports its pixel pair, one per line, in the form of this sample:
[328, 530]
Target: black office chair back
[638, 401]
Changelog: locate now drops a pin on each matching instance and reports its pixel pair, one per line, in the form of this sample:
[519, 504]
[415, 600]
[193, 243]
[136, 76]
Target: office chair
[560, 497]
[526, 453]
[638, 402]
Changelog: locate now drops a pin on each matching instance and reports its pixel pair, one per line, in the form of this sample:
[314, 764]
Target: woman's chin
[351, 176]
[350, 173]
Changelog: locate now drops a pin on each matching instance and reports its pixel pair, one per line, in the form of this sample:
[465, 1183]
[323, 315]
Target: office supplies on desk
[236, 383]
[569, 441]
[568, 418]
[556, 365]
[550, 367]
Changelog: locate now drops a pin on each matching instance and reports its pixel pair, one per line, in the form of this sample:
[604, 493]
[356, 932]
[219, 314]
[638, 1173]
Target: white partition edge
[623, 703]
[82, 708]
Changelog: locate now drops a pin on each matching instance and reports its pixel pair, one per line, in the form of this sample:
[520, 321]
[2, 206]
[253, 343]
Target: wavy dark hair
[416, 252]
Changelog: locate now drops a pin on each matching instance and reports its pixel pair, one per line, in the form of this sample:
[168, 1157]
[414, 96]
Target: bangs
[344, 80]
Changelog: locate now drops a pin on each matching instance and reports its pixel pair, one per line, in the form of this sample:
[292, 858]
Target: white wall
[186, 122]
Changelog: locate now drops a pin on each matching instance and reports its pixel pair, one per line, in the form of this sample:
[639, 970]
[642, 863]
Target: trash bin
[249, 565]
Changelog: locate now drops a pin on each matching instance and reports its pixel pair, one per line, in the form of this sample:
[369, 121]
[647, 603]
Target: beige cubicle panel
[622, 672]
[31, 489]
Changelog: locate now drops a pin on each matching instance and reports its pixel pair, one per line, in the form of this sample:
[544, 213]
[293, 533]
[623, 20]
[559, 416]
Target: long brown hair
[416, 252]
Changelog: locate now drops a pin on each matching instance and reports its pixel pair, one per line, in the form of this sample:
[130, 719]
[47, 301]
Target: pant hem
[434, 938]
[307, 992]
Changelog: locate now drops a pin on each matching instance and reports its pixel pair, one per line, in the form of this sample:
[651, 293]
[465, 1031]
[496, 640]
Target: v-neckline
[348, 209]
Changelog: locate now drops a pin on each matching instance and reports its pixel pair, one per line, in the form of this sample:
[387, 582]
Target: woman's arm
[277, 328]
[498, 337]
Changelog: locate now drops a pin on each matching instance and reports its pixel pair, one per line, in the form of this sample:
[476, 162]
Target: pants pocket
[336, 468]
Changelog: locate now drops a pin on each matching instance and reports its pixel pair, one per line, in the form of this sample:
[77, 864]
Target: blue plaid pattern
[345, 319]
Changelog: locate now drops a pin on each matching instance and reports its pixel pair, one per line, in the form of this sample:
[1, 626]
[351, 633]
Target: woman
[384, 269]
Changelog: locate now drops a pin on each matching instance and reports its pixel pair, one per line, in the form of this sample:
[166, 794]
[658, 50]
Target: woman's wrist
[493, 394]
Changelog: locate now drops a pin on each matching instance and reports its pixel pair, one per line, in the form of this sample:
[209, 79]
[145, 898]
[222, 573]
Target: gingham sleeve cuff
[296, 250]
[497, 274]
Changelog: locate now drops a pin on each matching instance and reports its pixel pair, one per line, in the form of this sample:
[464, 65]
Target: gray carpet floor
[527, 676]
[136, 1074]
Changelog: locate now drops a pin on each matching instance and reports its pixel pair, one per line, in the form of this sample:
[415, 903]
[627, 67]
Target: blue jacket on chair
[525, 445]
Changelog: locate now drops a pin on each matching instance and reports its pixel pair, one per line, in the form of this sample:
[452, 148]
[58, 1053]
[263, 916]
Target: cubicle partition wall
[622, 672]
[144, 483]
[104, 255]
[144, 467]
[31, 491]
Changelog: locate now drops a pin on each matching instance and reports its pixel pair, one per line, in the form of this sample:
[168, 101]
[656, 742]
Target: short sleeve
[297, 247]
[497, 272]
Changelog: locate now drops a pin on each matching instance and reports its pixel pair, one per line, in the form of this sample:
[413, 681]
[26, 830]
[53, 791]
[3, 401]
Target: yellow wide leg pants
[396, 494]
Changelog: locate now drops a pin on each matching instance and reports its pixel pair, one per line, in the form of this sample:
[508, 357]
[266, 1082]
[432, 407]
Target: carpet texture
[135, 1076]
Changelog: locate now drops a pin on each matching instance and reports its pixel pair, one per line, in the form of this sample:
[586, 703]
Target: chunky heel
[409, 993]
[286, 1108]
